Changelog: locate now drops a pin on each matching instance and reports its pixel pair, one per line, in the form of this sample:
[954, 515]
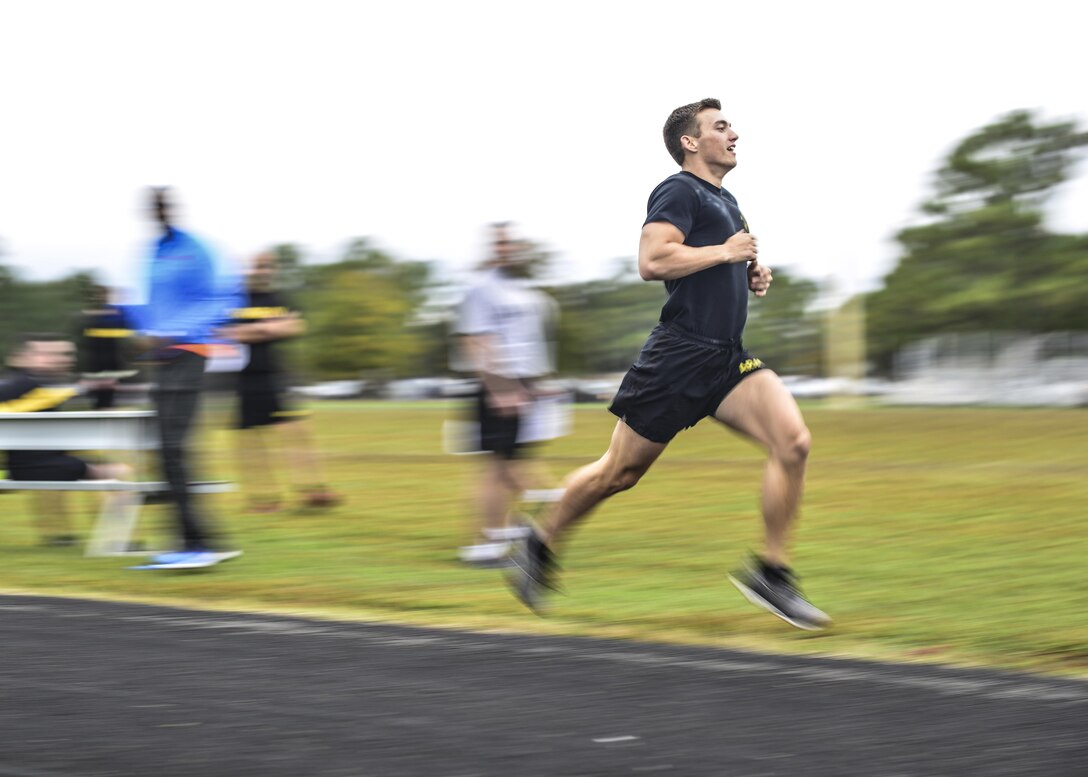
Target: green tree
[984, 259]
[361, 314]
[41, 306]
[602, 324]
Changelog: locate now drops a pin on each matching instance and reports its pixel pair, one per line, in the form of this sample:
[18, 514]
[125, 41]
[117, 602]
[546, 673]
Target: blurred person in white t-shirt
[506, 340]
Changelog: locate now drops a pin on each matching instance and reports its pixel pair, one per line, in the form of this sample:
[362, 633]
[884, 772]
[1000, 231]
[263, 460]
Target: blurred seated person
[38, 366]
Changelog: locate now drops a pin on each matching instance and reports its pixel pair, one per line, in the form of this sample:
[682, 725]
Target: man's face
[504, 246]
[512, 256]
[159, 208]
[47, 357]
[717, 140]
[262, 273]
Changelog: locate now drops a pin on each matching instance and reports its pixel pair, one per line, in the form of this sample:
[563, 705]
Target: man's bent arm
[480, 352]
[662, 255]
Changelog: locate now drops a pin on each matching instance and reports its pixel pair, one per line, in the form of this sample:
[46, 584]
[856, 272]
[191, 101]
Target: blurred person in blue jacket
[189, 294]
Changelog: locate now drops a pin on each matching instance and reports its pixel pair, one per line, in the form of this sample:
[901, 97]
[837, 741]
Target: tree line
[980, 258]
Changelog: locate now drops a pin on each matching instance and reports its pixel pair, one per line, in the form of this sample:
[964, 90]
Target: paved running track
[93, 689]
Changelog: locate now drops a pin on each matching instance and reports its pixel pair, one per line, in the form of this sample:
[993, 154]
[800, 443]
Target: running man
[694, 365]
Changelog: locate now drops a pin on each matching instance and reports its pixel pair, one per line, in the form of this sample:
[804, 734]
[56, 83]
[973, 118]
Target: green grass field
[949, 535]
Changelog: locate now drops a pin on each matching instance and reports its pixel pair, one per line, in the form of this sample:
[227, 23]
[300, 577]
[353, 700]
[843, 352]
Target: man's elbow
[647, 270]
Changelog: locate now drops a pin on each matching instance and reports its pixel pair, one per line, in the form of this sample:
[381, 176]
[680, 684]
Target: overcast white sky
[415, 123]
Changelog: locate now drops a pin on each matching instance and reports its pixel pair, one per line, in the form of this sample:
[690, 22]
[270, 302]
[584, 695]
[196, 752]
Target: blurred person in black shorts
[265, 320]
[694, 366]
[37, 382]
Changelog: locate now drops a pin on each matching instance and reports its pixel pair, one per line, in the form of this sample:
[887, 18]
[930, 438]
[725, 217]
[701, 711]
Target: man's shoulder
[679, 188]
[485, 282]
[181, 242]
[16, 383]
[18, 380]
[680, 181]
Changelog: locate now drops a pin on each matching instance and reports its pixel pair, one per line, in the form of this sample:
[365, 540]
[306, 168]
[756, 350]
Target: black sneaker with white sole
[533, 571]
[775, 589]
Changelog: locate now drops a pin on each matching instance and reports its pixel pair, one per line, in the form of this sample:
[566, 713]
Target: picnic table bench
[99, 430]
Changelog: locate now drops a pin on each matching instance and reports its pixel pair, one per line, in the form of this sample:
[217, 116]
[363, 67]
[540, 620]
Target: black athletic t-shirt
[712, 302]
[262, 306]
[104, 333]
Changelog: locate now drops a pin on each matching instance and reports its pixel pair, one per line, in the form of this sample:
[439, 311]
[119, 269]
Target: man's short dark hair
[682, 122]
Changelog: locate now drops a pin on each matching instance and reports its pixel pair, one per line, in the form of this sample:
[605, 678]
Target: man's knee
[111, 471]
[794, 447]
[623, 478]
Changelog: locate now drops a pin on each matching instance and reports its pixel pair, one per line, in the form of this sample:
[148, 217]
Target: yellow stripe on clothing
[38, 399]
[107, 333]
[259, 313]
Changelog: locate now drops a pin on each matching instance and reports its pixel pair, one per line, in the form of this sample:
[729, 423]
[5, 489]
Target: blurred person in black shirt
[265, 321]
[105, 335]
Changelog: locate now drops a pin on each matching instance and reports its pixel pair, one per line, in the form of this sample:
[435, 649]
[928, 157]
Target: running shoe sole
[759, 601]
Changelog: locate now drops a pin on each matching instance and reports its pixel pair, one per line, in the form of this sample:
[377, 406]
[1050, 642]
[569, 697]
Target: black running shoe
[533, 571]
[775, 589]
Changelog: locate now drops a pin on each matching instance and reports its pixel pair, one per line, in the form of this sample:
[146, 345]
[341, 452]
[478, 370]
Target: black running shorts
[677, 380]
[264, 408]
[498, 433]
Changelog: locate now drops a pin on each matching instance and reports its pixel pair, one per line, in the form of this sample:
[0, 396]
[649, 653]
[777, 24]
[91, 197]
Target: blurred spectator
[105, 332]
[264, 320]
[505, 340]
[188, 296]
[40, 364]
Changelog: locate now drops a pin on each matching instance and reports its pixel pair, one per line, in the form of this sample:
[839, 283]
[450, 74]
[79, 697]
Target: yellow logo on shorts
[750, 364]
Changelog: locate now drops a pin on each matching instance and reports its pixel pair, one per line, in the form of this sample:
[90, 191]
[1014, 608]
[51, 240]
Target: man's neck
[713, 176]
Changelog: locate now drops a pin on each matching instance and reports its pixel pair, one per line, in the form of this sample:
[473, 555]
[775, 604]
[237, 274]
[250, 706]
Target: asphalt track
[93, 688]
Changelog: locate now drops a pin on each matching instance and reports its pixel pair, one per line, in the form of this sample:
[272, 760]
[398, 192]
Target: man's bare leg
[762, 408]
[498, 490]
[628, 457]
[304, 461]
[256, 469]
